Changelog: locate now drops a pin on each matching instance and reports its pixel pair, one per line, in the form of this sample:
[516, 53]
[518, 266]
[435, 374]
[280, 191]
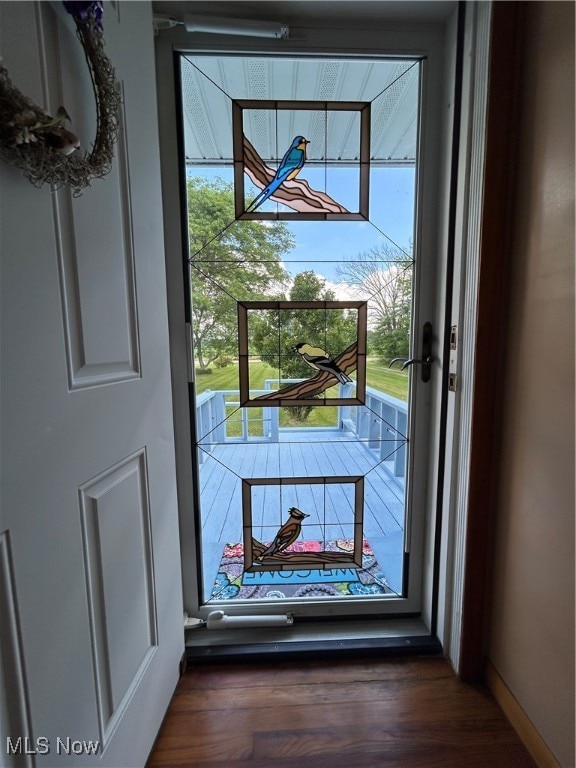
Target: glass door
[302, 179]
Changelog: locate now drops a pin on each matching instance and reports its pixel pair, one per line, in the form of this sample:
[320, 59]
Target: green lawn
[393, 382]
[379, 376]
[389, 380]
[227, 378]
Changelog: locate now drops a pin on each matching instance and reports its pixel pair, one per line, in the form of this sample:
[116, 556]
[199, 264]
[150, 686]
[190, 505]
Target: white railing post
[375, 422]
[389, 420]
[204, 422]
[344, 416]
[382, 422]
[363, 425]
[400, 455]
[219, 434]
[244, 418]
[274, 424]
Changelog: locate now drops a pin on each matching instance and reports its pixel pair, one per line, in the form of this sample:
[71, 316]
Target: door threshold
[314, 639]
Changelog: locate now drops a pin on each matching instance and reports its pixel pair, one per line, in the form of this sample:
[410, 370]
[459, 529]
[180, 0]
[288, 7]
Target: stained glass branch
[347, 362]
[297, 194]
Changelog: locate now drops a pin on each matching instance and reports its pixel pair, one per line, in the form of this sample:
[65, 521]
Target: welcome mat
[233, 583]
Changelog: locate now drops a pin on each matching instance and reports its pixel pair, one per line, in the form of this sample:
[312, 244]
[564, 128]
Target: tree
[231, 260]
[380, 276]
[391, 343]
[274, 333]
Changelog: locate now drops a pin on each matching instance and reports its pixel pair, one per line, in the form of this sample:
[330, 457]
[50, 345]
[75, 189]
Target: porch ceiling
[210, 82]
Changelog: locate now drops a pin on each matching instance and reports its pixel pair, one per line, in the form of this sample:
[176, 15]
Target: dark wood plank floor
[397, 713]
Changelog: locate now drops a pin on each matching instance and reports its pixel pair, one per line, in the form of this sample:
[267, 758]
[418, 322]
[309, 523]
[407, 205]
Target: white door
[89, 552]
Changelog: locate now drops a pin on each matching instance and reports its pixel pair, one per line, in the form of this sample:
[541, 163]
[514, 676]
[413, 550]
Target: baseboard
[519, 720]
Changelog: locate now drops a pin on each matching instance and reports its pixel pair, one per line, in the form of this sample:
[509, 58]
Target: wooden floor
[394, 713]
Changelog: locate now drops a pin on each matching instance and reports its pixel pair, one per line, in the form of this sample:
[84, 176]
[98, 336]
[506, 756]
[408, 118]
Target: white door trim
[464, 300]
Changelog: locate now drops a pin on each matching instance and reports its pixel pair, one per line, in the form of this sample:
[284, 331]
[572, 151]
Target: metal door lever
[410, 361]
[427, 357]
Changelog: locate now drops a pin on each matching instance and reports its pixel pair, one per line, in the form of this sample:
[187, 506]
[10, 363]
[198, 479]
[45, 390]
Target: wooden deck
[309, 453]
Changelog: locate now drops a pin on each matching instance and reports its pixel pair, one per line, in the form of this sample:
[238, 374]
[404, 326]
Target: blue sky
[391, 211]
[320, 243]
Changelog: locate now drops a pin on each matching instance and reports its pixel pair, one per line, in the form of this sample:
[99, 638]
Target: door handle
[427, 357]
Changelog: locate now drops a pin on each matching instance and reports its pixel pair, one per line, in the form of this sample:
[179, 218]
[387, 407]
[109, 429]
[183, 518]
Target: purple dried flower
[86, 12]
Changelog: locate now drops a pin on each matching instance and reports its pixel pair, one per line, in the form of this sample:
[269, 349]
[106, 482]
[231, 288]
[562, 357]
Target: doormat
[233, 583]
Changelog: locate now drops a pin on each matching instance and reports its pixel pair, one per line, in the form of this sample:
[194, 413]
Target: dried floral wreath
[41, 145]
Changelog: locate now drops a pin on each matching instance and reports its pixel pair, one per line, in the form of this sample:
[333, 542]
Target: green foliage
[391, 342]
[203, 371]
[391, 336]
[299, 413]
[231, 261]
[274, 334]
[223, 361]
[385, 274]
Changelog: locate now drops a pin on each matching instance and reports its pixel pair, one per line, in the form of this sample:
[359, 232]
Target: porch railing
[381, 422]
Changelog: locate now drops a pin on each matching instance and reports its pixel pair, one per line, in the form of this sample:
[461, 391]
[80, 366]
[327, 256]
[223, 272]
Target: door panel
[88, 477]
[250, 306]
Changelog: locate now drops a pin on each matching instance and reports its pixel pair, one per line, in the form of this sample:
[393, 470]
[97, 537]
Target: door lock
[427, 357]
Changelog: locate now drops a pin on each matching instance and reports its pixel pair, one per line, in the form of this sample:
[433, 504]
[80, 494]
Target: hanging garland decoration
[41, 145]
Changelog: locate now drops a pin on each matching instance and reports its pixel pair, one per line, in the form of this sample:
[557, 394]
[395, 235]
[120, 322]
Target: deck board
[311, 453]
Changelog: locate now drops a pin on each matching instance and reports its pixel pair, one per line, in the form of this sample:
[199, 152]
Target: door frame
[440, 578]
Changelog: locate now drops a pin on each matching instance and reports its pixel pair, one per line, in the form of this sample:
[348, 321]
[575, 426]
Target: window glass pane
[301, 479]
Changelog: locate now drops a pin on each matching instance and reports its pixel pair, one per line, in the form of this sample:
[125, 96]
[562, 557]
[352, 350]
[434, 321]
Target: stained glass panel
[322, 344]
[301, 219]
[295, 178]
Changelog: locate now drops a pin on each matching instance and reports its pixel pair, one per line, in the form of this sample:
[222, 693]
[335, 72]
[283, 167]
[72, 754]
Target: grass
[227, 378]
[391, 381]
[378, 376]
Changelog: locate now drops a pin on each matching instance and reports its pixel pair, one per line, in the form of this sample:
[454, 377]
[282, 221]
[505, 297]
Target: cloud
[342, 291]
